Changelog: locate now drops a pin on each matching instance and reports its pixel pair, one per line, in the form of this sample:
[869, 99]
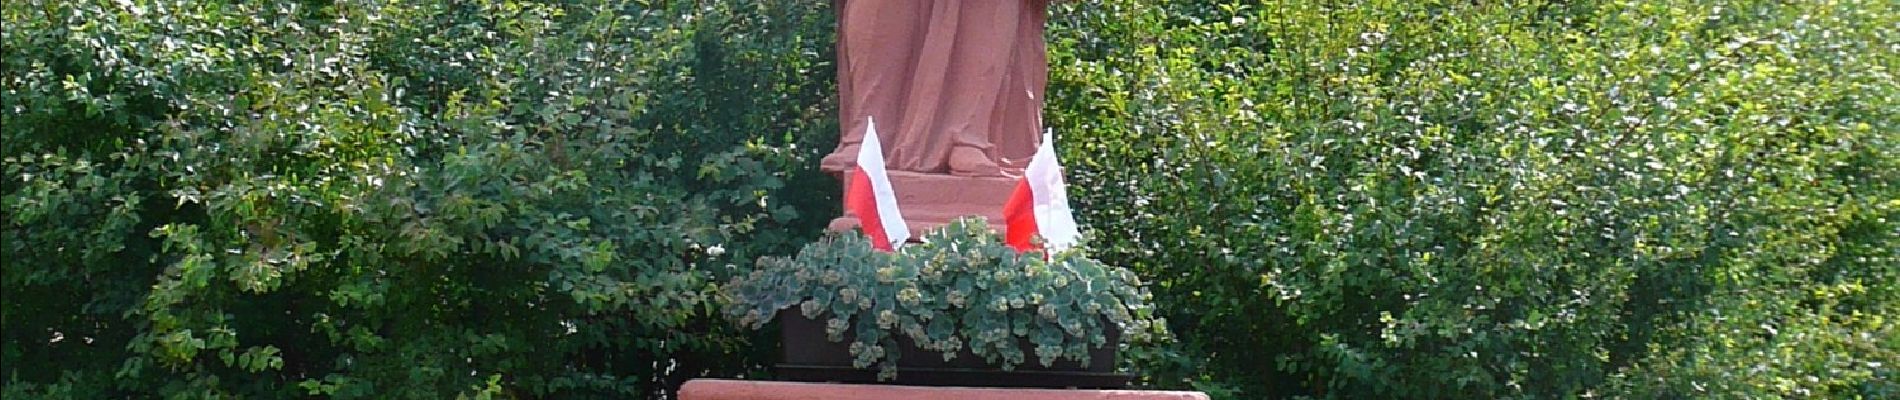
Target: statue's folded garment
[956, 85]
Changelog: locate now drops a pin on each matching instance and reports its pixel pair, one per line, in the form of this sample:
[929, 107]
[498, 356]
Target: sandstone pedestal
[719, 389]
[931, 200]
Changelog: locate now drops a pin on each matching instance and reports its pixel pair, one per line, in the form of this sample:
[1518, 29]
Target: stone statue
[955, 84]
[956, 89]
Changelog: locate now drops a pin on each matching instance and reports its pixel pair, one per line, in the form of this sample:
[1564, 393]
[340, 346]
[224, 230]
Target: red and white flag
[1040, 204]
[869, 195]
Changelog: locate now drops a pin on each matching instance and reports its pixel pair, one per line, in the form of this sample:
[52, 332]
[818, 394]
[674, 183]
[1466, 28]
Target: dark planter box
[811, 357]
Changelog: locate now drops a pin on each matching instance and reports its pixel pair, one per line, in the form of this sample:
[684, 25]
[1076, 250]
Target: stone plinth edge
[722, 389]
[931, 200]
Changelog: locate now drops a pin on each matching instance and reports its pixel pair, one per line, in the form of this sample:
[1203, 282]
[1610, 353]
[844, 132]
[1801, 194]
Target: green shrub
[395, 199]
[1431, 199]
[1360, 199]
[961, 289]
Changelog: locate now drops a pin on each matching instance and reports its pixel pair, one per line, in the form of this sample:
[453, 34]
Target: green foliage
[961, 287]
[377, 199]
[1344, 199]
[1542, 199]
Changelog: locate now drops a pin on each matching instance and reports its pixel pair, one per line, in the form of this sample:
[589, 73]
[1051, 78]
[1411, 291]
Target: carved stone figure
[956, 89]
[956, 85]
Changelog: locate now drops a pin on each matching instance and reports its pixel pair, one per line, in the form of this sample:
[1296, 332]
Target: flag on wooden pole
[1040, 204]
[869, 195]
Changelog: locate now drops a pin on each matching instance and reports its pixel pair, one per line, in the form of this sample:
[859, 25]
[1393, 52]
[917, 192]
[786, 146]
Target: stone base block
[720, 389]
[931, 200]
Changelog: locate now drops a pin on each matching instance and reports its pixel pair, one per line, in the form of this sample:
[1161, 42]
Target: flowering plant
[961, 288]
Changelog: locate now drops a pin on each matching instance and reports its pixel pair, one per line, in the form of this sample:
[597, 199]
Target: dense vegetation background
[1333, 199]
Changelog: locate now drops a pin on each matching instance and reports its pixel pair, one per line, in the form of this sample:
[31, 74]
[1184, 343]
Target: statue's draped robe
[941, 74]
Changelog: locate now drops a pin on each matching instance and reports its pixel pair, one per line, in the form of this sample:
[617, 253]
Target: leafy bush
[961, 287]
[395, 199]
[1382, 198]
[1370, 198]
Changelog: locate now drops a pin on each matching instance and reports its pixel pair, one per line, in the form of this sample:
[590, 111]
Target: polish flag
[869, 195]
[1040, 204]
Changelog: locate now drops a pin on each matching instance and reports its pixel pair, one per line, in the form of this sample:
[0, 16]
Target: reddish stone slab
[721, 389]
[931, 200]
